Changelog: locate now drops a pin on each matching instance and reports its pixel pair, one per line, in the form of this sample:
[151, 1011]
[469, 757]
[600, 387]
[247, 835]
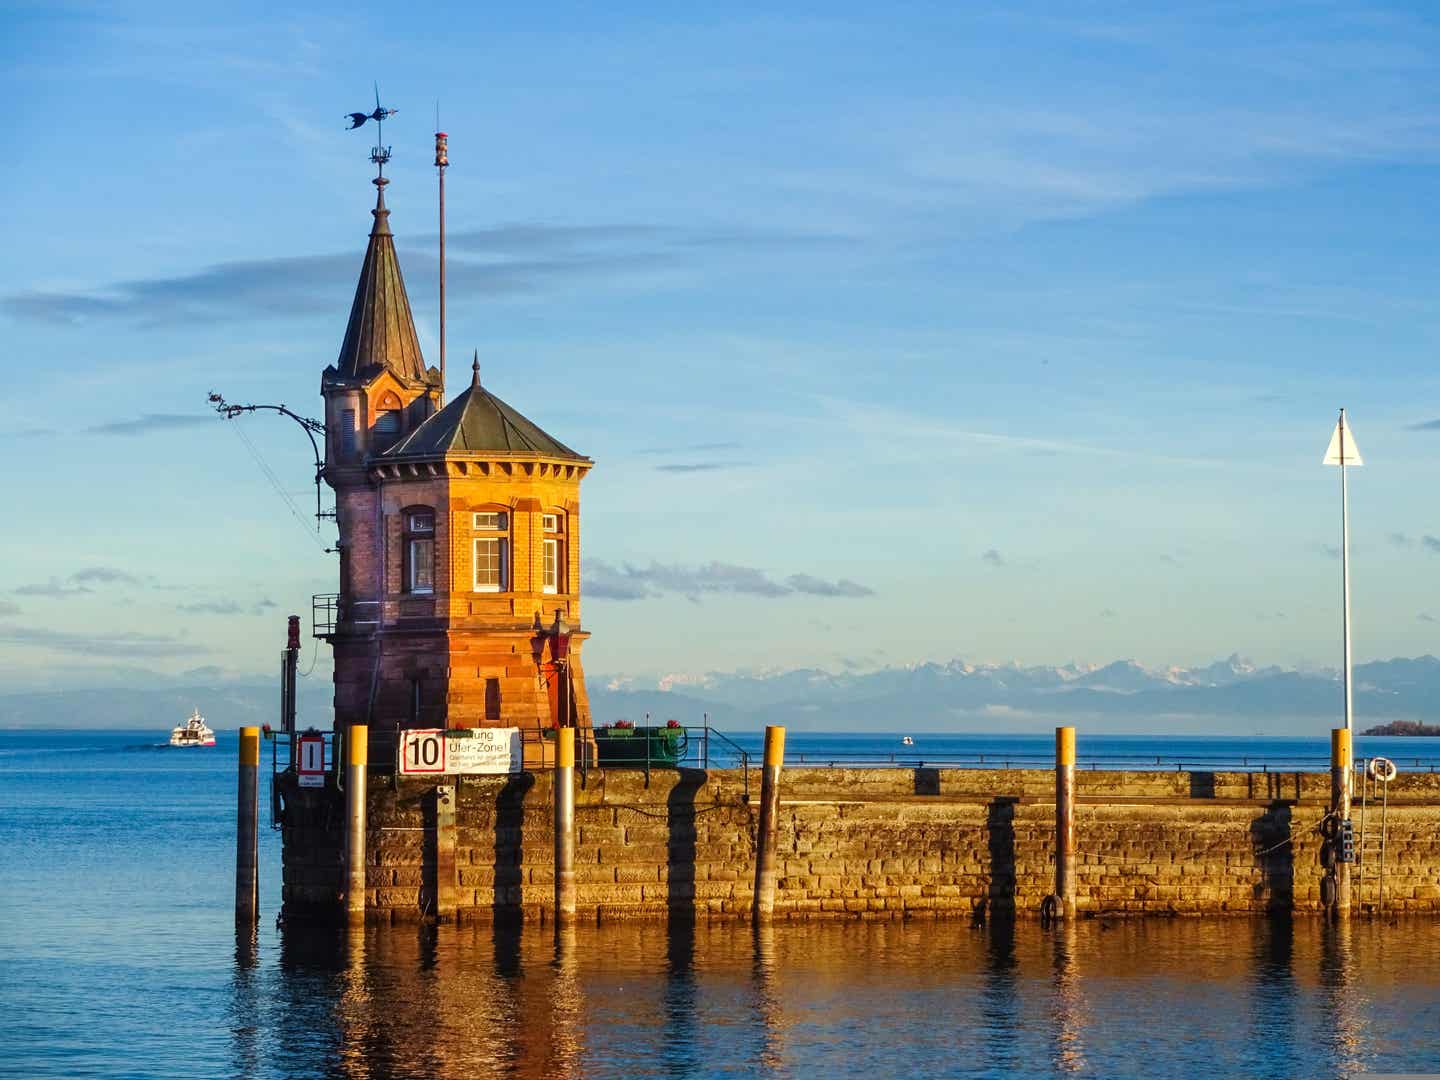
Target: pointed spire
[475, 371]
[381, 333]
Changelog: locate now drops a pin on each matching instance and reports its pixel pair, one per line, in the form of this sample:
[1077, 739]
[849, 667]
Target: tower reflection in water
[1094, 998]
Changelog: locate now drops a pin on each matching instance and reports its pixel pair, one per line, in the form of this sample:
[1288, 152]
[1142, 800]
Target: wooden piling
[247, 830]
[1341, 776]
[764, 902]
[1065, 821]
[357, 755]
[564, 825]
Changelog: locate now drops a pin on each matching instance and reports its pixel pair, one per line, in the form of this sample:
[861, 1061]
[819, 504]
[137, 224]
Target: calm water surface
[118, 957]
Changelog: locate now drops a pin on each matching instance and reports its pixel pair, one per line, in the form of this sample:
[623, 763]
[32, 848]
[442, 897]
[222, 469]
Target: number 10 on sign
[422, 752]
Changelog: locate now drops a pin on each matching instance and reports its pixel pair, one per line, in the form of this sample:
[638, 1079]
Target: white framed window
[491, 521]
[550, 522]
[422, 566]
[419, 539]
[551, 567]
[491, 570]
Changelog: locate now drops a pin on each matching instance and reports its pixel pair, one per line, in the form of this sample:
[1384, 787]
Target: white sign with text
[473, 752]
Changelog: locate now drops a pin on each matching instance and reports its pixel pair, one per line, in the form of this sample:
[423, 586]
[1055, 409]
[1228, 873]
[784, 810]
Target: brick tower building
[459, 533]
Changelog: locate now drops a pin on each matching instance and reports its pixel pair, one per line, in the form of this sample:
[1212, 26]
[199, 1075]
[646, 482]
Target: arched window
[418, 550]
[491, 543]
[552, 559]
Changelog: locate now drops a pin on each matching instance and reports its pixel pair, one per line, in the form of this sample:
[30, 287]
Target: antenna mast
[442, 162]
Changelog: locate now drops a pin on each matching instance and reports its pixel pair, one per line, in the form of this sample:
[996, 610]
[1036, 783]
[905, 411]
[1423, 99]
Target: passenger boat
[194, 732]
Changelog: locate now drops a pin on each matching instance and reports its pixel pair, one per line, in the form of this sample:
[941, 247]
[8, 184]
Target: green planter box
[631, 747]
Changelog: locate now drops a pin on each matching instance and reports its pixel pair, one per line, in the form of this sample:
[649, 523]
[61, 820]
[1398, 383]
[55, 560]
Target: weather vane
[380, 153]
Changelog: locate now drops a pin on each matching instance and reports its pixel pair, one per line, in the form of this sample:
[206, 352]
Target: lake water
[119, 958]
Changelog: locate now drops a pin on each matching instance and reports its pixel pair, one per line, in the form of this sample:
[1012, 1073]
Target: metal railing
[1280, 763]
[649, 747]
[282, 760]
[324, 614]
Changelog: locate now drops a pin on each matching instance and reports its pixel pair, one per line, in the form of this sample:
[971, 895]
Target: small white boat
[908, 741]
[194, 732]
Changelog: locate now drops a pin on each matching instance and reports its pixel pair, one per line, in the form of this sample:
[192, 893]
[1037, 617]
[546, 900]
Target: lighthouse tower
[459, 534]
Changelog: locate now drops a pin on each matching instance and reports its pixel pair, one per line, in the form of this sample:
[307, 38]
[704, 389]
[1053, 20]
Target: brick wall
[860, 843]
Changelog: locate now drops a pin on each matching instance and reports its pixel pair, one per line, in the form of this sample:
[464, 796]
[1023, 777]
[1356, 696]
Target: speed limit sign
[422, 751]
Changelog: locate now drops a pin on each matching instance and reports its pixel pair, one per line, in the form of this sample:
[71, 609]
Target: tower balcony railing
[324, 614]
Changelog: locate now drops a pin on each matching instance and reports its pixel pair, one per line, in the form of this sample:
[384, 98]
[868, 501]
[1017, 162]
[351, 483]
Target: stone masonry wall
[870, 843]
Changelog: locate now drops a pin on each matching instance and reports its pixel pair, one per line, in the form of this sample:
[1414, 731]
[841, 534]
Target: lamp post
[558, 635]
[560, 653]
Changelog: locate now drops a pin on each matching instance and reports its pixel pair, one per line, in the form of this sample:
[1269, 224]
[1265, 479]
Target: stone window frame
[389, 411]
[411, 534]
[500, 533]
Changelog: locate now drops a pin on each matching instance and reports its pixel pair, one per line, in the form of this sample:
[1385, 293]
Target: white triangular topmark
[1352, 454]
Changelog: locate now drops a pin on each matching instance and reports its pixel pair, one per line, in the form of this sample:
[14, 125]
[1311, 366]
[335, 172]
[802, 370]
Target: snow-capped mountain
[1229, 694]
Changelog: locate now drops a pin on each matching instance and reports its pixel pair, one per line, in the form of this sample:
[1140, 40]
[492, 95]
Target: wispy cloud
[9, 608]
[54, 589]
[125, 644]
[103, 575]
[1430, 543]
[813, 586]
[701, 466]
[993, 557]
[1425, 617]
[79, 583]
[1425, 425]
[209, 607]
[484, 262]
[1401, 540]
[630, 582]
[150, 422]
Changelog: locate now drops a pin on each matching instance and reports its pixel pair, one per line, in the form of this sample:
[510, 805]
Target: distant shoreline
[1404, 727]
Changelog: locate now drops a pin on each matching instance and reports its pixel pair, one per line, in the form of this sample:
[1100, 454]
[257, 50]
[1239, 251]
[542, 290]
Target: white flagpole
[1345, 572]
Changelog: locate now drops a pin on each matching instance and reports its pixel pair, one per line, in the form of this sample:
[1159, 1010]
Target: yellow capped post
[1065, 822]
[247, 831]
[564, 825]
[357, 746]
[1340, 752]
[249, 746]
[1064, 746]
[357, 756]
[763, 903]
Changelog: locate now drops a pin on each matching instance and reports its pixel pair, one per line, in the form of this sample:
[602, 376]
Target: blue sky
[897, 334]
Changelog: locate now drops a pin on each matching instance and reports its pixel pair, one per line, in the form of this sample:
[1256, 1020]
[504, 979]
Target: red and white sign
[310, 761]
[476, 751]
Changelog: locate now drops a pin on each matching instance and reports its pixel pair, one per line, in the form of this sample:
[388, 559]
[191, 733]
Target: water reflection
[1226, 998]
[999, 993]
[767, 1002]
[1342, 1002]
[1069, 1019]
[1274, 1000]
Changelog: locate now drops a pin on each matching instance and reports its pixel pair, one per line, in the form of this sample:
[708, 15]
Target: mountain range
[1230, 696]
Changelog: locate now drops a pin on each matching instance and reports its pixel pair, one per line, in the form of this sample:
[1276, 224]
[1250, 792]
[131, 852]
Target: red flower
[672, 723]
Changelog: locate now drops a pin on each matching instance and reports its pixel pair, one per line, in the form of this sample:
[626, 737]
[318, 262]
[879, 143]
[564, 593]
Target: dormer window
[387, 422]
[419, 548]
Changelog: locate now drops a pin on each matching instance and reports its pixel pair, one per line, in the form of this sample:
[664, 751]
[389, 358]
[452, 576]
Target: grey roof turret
[478, 422]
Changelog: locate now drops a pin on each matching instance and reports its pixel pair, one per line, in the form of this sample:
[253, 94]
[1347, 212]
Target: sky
[897, 333]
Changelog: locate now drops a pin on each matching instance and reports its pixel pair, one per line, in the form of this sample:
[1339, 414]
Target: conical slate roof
[477, 422]
[381, 332]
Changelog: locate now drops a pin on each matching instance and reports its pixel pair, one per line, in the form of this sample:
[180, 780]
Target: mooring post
[1341, 773]
[1065, 820]
[247, 830]
[564, 825]
[764, 904]
[446, 880]
[357, 755]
